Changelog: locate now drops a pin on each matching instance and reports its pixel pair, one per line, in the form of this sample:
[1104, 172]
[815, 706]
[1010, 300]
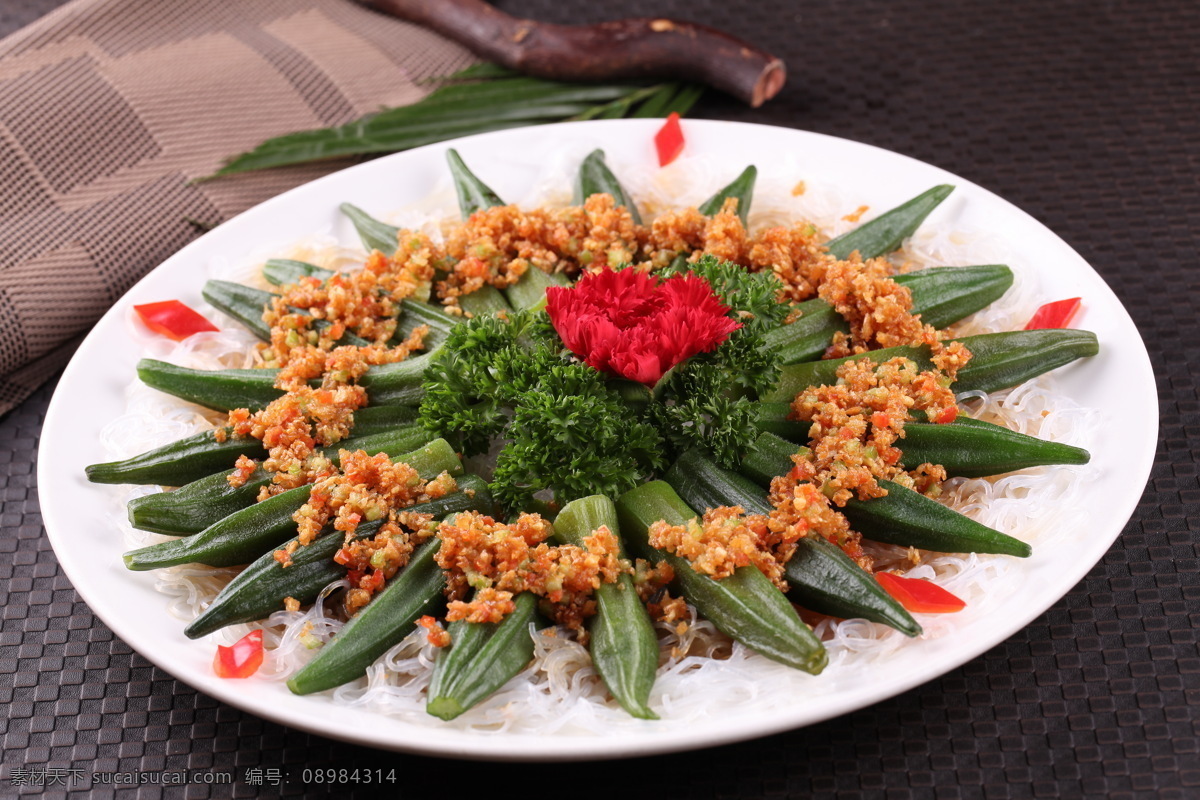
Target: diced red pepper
[1054, 315]
[948, 415]
[242, 659]
[918, 595]
[669, 140]
[880, 420]
[173, 319]
[373, 582]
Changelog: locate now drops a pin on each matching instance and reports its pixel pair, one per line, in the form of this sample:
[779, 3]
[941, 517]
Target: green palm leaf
[492, 99]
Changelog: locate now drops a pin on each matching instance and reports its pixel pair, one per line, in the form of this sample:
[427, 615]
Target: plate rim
[527, 747]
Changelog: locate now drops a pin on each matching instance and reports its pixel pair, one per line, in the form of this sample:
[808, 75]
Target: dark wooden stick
[626, 48]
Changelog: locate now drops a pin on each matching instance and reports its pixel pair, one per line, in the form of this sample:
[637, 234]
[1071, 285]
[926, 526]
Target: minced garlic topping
[500, 560]
[303, 419]
[496, 246]
[857, 422]
[365, 303]
[855, 426]
[802, 507]
[366, 488]
[725, 540]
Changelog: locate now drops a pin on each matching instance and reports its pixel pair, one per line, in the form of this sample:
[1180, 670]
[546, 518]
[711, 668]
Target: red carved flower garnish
[627, 323]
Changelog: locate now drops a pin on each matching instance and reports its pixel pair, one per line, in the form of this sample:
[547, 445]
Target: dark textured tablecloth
[1085, 114]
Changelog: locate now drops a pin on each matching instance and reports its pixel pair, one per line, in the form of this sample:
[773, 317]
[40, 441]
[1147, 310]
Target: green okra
[530, 289]
[413, 312]
[202, 503]
[246, 306]
[741, 189]
[181, 461]
[622, 641]
[967, 448]
[386, 620]
[823, 578]
[226, 389]
[886, 232]
[596, 178]
[261, 588]
[282, 271]
[745, 606]
[820, 576]
[473, 194]
[911, 519]
[199, 455]
[375, 234]
[941, 295]
[243, 303]
[487, 299]
[999, 361]
[481, 658]
[245, 535]
[903, 517]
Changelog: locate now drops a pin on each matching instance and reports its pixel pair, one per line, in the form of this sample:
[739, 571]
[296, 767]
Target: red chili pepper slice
[373, 582]
[948, 415]
[1054, 315]
[173, 319]
[242, 659]
[918, 595]
[669, 140]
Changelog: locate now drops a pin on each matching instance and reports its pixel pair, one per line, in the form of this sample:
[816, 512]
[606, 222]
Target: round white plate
[1119, 382]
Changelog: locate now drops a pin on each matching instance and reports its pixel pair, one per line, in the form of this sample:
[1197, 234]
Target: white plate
[1119, 382]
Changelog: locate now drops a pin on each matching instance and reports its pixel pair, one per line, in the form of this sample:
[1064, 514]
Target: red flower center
[627, 323]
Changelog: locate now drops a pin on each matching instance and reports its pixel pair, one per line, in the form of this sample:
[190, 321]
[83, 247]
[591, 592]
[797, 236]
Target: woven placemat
[1083, 114]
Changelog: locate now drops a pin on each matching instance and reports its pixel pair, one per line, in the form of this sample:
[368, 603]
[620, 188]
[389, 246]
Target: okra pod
[941, 295]
[195, 506]
[971, 448]
[245, 535]
[596, 178]
[261, 588]
[386, 620]
[999, 361]
[481, 658]
[820, 576]
[741, 188]
[886, 232]
[196, 456]
[282, 271]
[375, 234]
[967, 448]
[246, 306]
[413, 312]
[473, 194]
[745, 606]
[487, 299]
[530, 289]
[225, 389]
[911, 519]
[908, 518]
[622, 642]
[179, 462]
[243, 303]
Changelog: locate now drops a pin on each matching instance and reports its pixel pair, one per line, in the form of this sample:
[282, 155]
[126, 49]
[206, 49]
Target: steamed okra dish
[631, 441]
